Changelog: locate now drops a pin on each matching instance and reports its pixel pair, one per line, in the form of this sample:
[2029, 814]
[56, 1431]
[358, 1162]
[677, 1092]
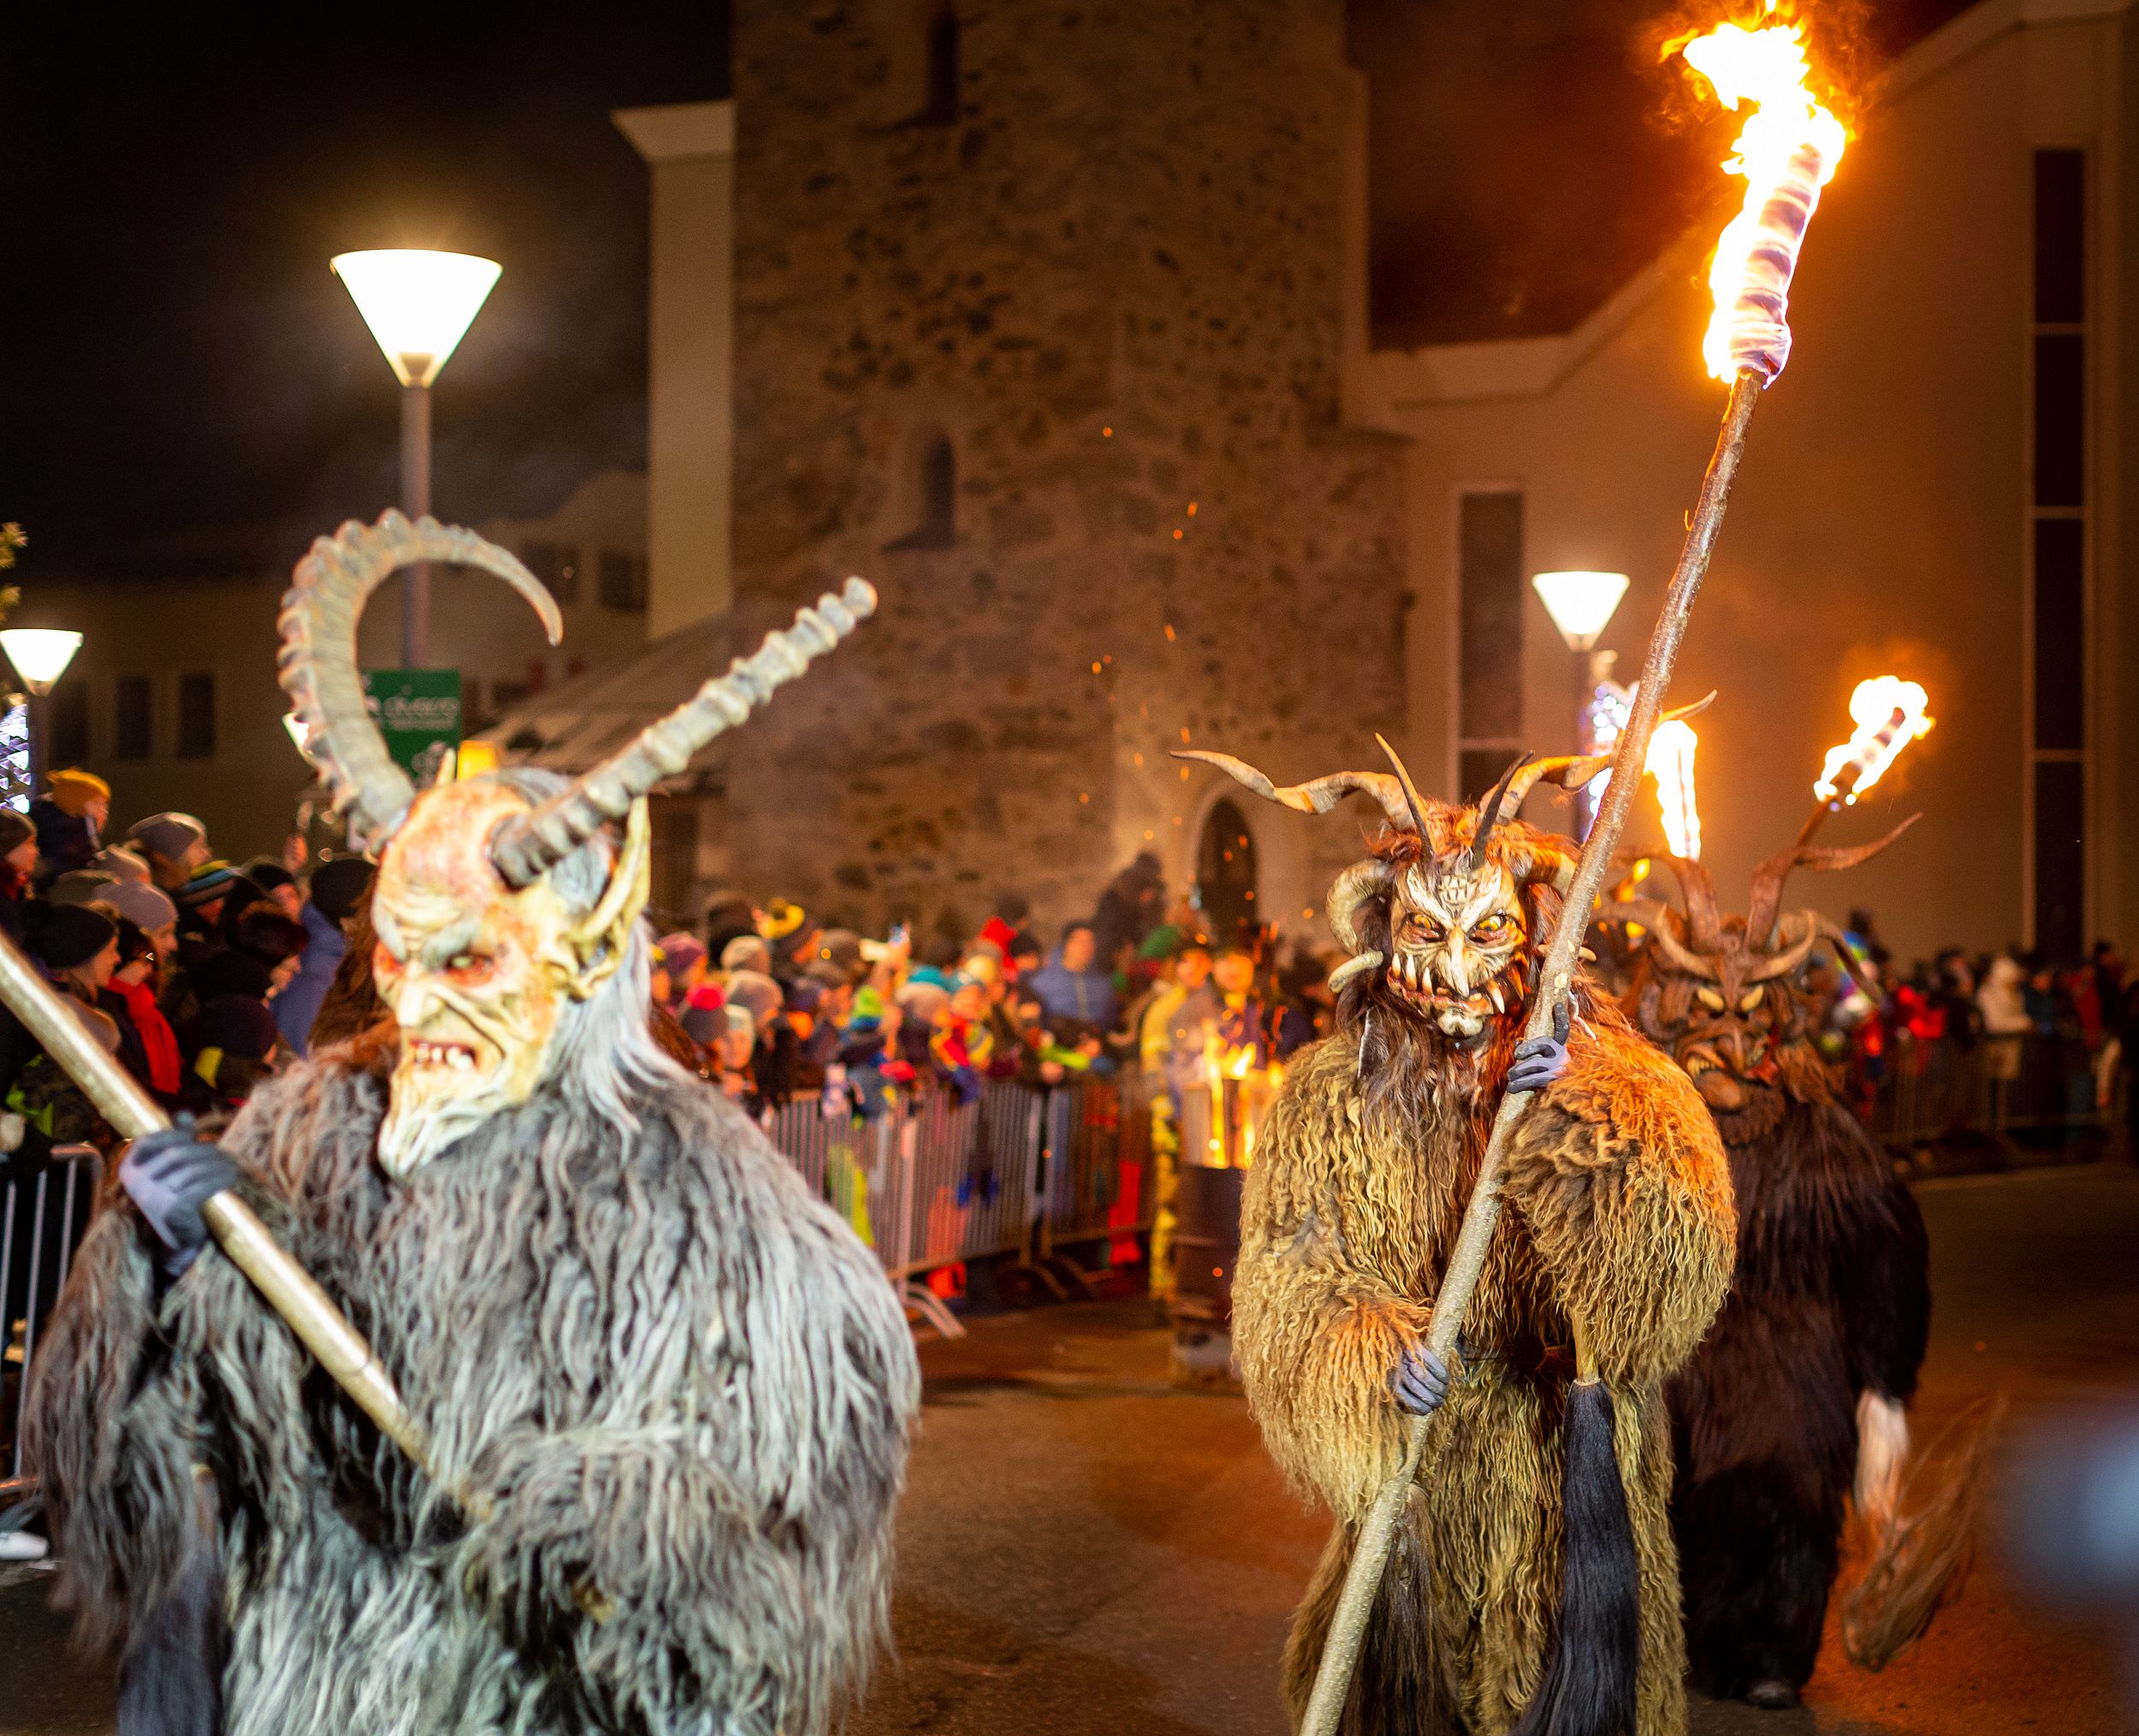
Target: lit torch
[1889, 713]
[1671, 751]
[1787, 152]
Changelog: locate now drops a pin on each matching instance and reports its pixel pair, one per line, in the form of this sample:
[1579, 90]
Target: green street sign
[418, 712]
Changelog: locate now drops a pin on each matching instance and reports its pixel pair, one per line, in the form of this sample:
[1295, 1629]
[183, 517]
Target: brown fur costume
[1619, 1215]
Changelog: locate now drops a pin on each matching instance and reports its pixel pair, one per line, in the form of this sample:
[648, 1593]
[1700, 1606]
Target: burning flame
[1671, 751]
[1240, 1094]
[1889, 713]
[1787, 152]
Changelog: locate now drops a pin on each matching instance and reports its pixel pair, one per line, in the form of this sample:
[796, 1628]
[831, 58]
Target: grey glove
[1540, 1060]
[1420, 1381]
[169, 1175]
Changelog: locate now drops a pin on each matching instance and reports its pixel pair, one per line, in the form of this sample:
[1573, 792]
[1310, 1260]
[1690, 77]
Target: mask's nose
[1456, 966]
[414, 1003]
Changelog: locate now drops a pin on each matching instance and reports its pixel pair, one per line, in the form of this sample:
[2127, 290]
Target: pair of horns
[318, 670]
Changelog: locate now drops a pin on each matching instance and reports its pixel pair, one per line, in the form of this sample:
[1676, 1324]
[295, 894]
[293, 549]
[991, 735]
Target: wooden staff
[288, 1289]
[1377, 1532]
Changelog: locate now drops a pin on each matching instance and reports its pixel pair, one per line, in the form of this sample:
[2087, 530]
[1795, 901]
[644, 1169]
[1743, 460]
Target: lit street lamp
[1581, 605]
[40, 656]
[419, 305]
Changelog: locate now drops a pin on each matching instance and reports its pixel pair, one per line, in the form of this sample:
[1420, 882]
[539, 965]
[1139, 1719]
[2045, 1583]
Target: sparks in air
[1788, 151]
[1889, 713]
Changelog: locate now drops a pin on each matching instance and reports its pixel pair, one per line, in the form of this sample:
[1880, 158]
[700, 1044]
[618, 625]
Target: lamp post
[418, 303]
[1580, 604]
[40, 656]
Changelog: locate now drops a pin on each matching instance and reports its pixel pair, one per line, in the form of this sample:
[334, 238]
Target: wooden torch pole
[1377, 1531]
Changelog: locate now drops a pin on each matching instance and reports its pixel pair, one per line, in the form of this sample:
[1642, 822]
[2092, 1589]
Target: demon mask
[1441, 911]
[1725, 996]
[506, 905]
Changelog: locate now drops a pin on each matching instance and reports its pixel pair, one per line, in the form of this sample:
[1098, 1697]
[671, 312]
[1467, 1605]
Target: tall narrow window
[197, 714]
[133, 727]
[1489, 638]
[2059, 549]
[936, 493]
[939, 108]
[68, 744]
[622, 579]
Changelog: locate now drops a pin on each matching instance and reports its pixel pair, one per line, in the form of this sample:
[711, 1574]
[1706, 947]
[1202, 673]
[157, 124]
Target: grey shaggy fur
[683, 1381]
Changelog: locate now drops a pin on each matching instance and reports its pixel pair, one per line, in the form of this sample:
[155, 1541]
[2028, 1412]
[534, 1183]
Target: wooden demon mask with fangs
[506, 905]
[1725, 995]
[1441, 909]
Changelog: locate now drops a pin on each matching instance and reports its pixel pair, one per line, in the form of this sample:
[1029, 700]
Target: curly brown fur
[1620, 1210]
[684, 1384]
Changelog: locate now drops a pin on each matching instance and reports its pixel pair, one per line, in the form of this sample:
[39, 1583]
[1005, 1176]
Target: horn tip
[859, 595]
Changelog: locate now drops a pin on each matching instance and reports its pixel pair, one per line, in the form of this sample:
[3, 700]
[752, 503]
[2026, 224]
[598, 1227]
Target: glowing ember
[1671, 751]
[1889, 713]
[1240, 1096]
[1787, 152]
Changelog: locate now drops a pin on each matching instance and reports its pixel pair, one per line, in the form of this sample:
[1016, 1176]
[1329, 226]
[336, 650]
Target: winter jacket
[299, 1003]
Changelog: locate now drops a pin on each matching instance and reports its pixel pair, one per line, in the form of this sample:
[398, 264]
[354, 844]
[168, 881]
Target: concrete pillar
[691, 148]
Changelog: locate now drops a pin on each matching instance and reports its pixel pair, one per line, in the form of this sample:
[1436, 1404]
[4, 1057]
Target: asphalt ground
[1087, 1548]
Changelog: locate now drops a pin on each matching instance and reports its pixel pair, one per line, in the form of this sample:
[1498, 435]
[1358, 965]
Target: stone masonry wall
[1115, 286]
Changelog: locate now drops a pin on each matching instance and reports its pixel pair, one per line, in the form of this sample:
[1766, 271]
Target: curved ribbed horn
[1491, 811]
[1697, 891]
[1363, 880]
[1657, 933]
[1318, 795]
[1412, 799]
[1766, 895]
[526, 846]
[319, 658]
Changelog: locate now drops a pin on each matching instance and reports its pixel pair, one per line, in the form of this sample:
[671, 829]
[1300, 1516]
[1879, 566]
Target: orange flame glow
[1889, 713]
[1787, 152]
[1671, 751]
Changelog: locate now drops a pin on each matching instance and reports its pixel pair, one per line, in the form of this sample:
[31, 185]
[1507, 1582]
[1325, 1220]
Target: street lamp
[418, 303]
[40, 656]
[1581, 605]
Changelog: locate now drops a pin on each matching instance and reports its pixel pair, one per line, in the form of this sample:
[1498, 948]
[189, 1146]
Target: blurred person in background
[173, 844]
[1133, 904]
[773, 1059]
[727, 915]
[339, 887]
[69, 816]
[122, 864]
[150, 910]
[147, 1045]
[680, 966]
[239, 1047]
[278, 883]
[1075, 994]
[746, 952]
[18, 864]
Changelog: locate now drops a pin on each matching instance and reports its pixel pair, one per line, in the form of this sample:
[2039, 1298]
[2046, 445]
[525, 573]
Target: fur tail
[1589, 1682]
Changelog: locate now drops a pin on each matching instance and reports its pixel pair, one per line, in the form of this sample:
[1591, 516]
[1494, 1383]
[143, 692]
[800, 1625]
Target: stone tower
[1040, 325]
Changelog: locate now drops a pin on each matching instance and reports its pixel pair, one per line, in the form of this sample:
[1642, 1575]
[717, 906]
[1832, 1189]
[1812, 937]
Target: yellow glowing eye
[1710, 999]
[1750, 1001]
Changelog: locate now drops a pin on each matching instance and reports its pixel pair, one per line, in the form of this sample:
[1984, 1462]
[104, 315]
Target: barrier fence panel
[2030, 1085]
[1089, 1176]
[41, 1224]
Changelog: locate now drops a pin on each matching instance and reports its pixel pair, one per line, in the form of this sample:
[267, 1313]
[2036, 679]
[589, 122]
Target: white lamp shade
[40, 654]
[418, 302]
[1580, 603]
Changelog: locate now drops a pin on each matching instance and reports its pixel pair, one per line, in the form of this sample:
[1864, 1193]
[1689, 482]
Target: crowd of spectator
[199, 975]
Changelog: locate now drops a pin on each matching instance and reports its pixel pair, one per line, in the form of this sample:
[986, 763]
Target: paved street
[1088, 1550]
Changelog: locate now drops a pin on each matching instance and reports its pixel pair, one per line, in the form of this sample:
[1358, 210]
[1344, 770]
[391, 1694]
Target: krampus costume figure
[1599, 1283]
[1801, 1381]
[668, 1391]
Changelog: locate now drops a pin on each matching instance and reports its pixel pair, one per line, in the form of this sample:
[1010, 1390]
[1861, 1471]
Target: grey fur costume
[684, 1381]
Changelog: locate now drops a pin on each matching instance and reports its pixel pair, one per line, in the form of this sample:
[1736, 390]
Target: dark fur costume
[1831, 1298]
[683, 1382]
[1618, 1212]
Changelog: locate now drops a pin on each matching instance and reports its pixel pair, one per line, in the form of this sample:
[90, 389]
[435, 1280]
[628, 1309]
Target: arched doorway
[1225, 873]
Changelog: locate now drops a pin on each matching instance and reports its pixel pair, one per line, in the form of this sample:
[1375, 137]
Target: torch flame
[1671, 751]
[1889, 713]
[1787, 152]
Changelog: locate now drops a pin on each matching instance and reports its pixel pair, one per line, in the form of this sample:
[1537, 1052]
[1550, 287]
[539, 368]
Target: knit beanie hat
[340, 885]
[167, 835]
[679, 951]
[210, 881]
[747, 952]
[74, 790]
[65, 935]
[148, 908]
[759, 993]
[239, 1025]
[841, 948]
[267, 874]
[705, 1014]
[14, 830]
[82, 887]
[122, 864]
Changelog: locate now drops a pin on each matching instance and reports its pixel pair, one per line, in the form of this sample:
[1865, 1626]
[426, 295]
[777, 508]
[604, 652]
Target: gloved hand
[1540, 1060]
[169, 1175]
[1420, 1381]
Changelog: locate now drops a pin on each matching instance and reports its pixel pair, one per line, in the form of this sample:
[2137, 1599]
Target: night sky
[189, 390]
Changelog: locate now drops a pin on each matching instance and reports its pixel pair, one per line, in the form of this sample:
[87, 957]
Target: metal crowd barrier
[2003, 1086]
[1018, 1175]
[41, 1223]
